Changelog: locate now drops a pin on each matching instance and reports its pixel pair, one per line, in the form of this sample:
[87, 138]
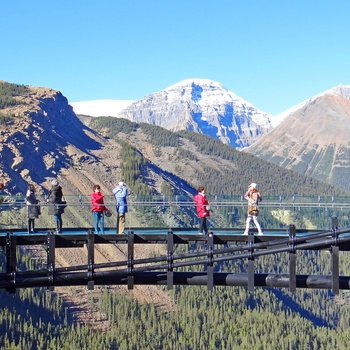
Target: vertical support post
[51, 245]
[210, 264]
[251, 241]
[91, 259]
[292, 260]
[170, 260]
[130, 260]
[335, 256]
[11, 260]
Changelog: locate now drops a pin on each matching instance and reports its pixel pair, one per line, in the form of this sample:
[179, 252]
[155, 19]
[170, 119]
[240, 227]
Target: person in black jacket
[33, 209]
[56, 208]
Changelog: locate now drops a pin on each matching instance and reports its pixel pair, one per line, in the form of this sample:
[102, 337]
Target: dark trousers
[31, 225]
[203, 225]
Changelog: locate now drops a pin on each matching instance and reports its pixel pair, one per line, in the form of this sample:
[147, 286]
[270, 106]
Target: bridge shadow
[26, 308]
[290, 303]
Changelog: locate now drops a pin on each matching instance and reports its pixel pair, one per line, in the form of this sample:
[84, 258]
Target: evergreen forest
[224, 318]
[7, 93]
[219, 179]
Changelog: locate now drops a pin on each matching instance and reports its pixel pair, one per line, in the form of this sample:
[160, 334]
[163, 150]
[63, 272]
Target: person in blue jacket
[120, 192]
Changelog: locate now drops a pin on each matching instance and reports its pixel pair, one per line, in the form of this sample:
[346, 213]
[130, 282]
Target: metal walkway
[222, 245]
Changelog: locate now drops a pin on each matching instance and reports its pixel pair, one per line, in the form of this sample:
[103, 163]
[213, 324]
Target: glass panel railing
[178, 211]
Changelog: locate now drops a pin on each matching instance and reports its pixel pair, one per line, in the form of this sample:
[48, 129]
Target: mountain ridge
[48, 116]
[201, 105]
[343, 90]
[313, 140]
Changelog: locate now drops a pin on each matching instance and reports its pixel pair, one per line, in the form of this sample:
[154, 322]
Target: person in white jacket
[253, 197]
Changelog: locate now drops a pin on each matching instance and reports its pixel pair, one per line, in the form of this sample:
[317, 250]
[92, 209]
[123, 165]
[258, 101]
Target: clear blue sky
[273, 53]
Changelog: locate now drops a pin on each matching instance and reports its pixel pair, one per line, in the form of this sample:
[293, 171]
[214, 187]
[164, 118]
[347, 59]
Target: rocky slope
[314, 140]
[45, 140]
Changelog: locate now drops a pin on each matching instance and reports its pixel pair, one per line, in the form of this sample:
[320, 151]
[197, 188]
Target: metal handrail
[186, 201]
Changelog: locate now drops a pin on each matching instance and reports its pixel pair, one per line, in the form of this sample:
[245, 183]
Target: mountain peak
[340, 89]
[203, 106]
[314, 139]
[196, 81]
[343, 90]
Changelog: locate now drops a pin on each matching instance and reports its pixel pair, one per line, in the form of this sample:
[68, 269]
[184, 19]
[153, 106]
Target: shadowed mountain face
[313, 141]
[34, 143]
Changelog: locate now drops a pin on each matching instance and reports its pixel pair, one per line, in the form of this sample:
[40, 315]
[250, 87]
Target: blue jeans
[58, 222]
[99, 218]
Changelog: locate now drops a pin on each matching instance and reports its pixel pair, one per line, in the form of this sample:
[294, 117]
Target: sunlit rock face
[203, 106]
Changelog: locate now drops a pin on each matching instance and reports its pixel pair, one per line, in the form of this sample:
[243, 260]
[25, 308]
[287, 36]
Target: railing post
[292, 260]
[335, 256]
[251, 241]
[51, 243]
[130, 260]
[210, 264]
[91, 259]
[170, 260]
[11, 260]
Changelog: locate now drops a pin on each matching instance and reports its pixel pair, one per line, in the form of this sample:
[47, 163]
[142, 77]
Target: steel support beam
[51, 243]
[91, 259]
[180, 278]
[130, 277]
[11, 261]
[210, 263]
[292, 259]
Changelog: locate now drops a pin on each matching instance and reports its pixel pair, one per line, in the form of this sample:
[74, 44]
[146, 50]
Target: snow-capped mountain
[203, 106]
[100, 108]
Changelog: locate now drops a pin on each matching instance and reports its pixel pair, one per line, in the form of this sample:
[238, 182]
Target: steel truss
[164, 270]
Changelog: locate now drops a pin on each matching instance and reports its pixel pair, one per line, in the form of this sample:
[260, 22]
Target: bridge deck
[219, 246]
[79, 237]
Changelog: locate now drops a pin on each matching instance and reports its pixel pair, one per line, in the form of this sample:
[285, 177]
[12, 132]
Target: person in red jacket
[98, 208]
[202, 208]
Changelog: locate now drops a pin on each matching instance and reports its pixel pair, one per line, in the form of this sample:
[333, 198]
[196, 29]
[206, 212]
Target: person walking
[202, 209]
[253, 197]
[120, 192]
[56, 207]
[98, 209]
[33, 209]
